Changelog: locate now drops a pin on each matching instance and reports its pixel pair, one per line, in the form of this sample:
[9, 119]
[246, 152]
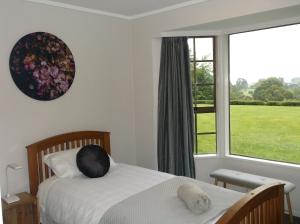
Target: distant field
[268, 132]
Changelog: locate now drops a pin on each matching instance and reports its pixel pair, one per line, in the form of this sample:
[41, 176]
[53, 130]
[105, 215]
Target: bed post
[33, 169]
[106, 142]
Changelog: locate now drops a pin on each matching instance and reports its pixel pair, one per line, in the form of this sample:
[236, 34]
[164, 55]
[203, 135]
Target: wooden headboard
[38, 171]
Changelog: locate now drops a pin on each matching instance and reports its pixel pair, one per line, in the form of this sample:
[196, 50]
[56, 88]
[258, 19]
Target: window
[265, 93]
[202, 67]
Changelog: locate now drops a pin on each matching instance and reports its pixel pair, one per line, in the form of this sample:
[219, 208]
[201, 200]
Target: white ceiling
[121, 8]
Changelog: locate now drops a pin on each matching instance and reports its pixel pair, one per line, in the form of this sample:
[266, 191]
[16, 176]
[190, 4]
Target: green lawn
[268, 132]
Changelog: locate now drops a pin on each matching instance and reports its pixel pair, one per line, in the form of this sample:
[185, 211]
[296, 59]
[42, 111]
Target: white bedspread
[160, 205]
[86, 200]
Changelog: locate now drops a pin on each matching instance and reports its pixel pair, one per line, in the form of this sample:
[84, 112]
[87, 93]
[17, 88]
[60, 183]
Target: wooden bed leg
[224, 184]
[216, 181]
[288, 199]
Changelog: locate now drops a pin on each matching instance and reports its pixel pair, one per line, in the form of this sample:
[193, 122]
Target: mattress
[82, 200]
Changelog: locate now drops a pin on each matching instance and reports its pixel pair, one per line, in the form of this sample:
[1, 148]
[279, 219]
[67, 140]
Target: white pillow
[112, 162]
[64, 163]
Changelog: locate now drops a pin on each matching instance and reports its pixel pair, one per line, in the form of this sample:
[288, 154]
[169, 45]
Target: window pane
[204, 95]
[192, 72]
[204, 73]
[204, 48]
[206, 144]
[203, 90]
[264, 94]
[268, 132]
[206, 122]
[191, 48]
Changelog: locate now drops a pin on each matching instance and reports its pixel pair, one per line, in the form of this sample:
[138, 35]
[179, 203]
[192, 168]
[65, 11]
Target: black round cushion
[92, 161]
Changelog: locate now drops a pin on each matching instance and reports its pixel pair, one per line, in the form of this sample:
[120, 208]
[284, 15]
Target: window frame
[229, 100]
[203, 110]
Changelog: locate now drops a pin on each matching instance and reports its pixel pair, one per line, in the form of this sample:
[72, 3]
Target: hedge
[290, 103]
[205, 102]
[270, 103]
[238, 102]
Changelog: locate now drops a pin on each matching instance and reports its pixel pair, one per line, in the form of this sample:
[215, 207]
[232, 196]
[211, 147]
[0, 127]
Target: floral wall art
[42, 66]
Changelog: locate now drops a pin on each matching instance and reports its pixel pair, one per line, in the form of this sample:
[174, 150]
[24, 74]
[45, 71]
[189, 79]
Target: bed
[63, 199]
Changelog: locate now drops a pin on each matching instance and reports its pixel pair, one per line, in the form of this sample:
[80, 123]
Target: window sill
[206, 156]
[275, 163]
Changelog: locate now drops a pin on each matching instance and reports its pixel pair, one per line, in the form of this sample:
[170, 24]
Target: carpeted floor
[296, 220]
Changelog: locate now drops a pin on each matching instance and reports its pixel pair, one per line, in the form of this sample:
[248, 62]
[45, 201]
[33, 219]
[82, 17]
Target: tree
[204, 75]
[271, 89]
[237, 94]
[241, 84]
[296, 93]
[296, 81]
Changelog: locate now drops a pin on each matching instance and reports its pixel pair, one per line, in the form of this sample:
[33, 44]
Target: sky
[204, 48]
[265, 53]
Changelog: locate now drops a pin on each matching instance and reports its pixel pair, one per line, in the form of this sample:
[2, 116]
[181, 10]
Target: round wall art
[42, 66]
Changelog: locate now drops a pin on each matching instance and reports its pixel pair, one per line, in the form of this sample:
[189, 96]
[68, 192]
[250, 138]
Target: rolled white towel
[194, 198]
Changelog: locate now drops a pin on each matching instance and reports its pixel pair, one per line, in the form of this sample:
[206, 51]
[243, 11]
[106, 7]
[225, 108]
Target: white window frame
[225, 91]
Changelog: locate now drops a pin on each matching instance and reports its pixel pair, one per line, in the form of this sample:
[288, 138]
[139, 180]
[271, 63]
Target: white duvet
[86, 200]
[82, 200]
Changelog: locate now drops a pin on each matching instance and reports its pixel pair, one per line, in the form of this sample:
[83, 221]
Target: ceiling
[121, 8]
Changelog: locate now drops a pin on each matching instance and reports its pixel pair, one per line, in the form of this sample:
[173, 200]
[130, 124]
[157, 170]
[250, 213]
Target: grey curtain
[175, 109]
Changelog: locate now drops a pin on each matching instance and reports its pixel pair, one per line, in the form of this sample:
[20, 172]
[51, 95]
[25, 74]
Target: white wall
[101, 97]
[145, 32]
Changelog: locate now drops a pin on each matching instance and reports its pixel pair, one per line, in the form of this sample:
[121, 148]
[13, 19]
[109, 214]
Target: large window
[202, 66]
[265, 93]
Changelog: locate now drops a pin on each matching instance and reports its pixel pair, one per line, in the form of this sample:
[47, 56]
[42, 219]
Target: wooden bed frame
[263, 205]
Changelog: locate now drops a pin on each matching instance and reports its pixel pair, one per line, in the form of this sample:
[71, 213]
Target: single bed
[82, 200]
